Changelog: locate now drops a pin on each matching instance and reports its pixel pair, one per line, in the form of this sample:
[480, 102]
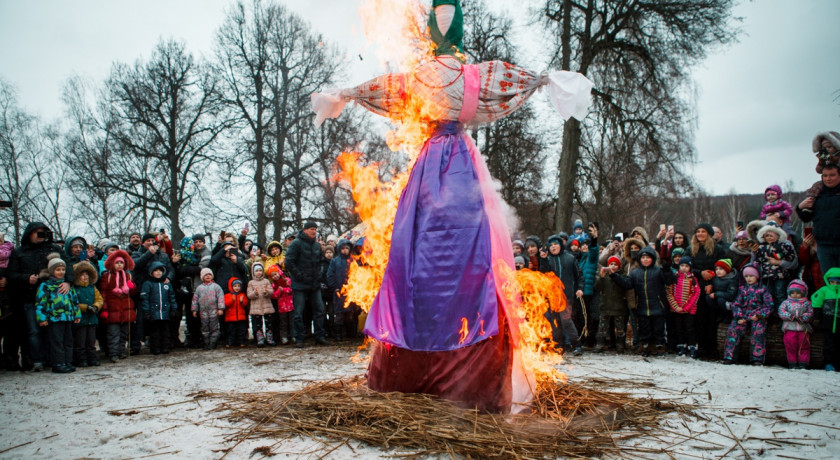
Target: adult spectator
[189, 272]
[288, 240]
[134, 243]
[149, 252]
[227, 264]
[718, 237]
[25, 273]
[303, 265]
[824, 211]
[704, 252]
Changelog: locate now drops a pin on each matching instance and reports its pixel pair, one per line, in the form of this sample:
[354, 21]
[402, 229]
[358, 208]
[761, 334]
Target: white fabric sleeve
[570, 93]
[444, 15]
[328, 104]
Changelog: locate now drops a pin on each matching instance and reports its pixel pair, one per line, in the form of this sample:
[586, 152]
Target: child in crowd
[775, 204]
[826, 146]
[749, 311]
[158, 303]
[773, 257]
[676, 255]
[532, 253]
[208, 303]
[58, 312]
[682, 297]
[117, 287]
[518, 248]
[282, 295]
[796, 314]
[236, 314]
[275, 255]
[345, 317]
[519, 262]
[108, 249]
[825, 303]
[90, 303]
[649, 281]
[262, 311]
[722, 290]
[613, 306]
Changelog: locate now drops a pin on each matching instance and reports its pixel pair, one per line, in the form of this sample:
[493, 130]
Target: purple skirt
[438, 292]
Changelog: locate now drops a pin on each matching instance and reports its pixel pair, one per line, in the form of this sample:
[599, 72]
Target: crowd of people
[65, 304]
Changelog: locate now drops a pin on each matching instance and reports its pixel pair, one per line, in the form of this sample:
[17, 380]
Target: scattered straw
[570, 420]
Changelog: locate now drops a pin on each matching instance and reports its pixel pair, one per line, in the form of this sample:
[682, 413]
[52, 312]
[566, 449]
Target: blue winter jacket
[157, 299]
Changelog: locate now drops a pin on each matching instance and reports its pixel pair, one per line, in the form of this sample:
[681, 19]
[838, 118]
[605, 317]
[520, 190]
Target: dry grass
[568, 420]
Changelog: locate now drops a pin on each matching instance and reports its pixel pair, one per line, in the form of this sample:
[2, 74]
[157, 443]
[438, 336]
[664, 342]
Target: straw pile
[568, 420]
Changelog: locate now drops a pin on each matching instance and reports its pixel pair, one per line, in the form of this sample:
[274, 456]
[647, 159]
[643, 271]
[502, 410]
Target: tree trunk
[567, 167]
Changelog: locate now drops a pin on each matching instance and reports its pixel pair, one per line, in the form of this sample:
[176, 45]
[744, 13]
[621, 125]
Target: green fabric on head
[453, 42]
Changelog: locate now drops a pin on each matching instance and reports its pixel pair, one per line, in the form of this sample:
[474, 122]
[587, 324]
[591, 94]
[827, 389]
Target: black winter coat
[224, 270]
[649, 285]
[29, 259]
[143, 259]
[826, 216]
[303, 262]
[566, 267]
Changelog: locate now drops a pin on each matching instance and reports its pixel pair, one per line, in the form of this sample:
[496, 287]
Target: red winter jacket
[118, 307]
[236, 304]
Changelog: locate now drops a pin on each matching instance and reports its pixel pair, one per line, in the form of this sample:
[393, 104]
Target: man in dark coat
[148, 253]
[565, 266]
[25, 273]
[824, 211]
[303, 265]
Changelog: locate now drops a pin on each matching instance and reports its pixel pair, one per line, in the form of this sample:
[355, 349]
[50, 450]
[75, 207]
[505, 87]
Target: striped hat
[725, 264]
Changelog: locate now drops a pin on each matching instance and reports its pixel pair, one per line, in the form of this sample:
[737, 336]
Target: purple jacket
[752, 299]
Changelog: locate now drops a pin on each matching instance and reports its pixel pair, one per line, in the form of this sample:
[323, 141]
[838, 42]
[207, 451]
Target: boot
[260, 338]
[620, 344]
[284, 340]
[693, 352]
[681, 350]
[269, 339]
[660, 350]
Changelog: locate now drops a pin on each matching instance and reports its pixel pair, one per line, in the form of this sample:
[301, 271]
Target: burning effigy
[446, 325]
[460, 353]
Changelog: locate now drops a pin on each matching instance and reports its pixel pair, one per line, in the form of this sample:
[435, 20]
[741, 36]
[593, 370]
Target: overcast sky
[760, 100]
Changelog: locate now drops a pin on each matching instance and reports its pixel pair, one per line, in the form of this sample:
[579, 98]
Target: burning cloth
[443, 322]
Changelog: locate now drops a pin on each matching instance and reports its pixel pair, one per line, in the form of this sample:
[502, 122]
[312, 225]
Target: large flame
[399, 28]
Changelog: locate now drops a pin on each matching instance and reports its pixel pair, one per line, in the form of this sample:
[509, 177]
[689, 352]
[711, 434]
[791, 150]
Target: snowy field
[747, 412]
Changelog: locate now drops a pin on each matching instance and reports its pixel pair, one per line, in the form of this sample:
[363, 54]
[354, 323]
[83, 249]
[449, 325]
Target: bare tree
[639, 54]
[166, 117]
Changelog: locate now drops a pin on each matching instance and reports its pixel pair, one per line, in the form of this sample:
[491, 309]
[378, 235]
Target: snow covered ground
[46, 415]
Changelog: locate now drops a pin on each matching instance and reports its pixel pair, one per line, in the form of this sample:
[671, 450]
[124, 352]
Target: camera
[45, 234]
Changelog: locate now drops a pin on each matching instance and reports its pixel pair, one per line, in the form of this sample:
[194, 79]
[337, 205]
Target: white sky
[760, 101]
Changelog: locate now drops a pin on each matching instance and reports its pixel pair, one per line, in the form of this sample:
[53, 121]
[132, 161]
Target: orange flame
[464, 331]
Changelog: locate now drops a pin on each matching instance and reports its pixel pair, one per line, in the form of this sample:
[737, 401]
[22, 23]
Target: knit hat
[750, 271]
[77, 241]
[707, 227]
[830, 136]
[520, 243]
[773, 188]
[742, 235]
[54, 261]
[725, 264]
[578, 225]
[146, 236]
[235, 281]
[519, 260]
[686, 260]
[132, 234]
[206, 271]
[574, 243]
[109, 246]
[799, 285]
[102, 243]
[309, 224]
[615, 260]
[677, 252]
[198, 237]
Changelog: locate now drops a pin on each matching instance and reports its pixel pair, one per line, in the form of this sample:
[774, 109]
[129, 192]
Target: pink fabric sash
[472, 86]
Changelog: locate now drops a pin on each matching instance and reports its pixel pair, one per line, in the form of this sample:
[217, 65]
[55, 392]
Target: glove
[104, 315]
[92, 309]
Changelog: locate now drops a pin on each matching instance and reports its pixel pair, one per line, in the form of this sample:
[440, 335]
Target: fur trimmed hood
[642, 232]
[753, 228]
[772, 228]
[631, 241]
[85, 267]
[129, 262]
[830, 136]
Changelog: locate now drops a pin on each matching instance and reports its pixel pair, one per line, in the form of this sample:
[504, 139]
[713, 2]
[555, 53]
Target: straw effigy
[567, 420]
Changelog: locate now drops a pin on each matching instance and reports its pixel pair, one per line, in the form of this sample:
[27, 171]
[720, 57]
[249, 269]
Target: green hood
[833, 272]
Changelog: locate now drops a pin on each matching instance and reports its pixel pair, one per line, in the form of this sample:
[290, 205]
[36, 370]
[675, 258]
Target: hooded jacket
[780, 250]
[225, 269]
[613, 302]
[826, 216]
[236, 303]
[29, 259]
[649, 285]
[303, 262]
[780, 206]
[157, 299]
[338, 272]
[117, 287]
[725, 288]
[796, 314]
[826, 298]
[588, 263]
[276, 260]
[90, 300]
[282, 290]
[752, 300]
[259, 292]
[68, 244]
[143, 259]
[566, 268]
